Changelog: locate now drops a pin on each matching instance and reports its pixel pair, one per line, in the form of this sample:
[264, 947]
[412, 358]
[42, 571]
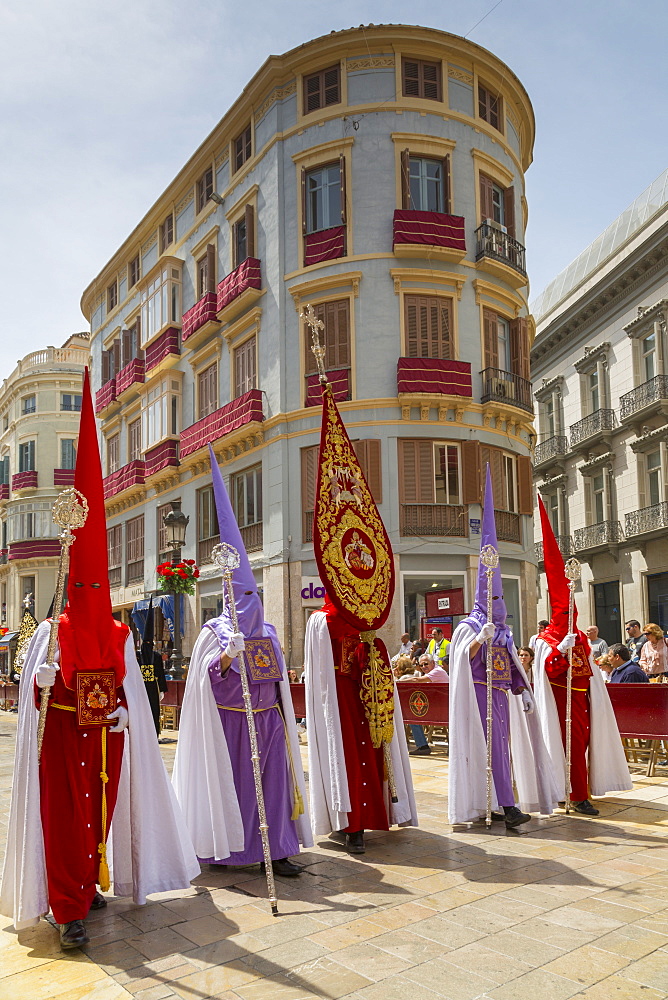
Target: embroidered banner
[261, 660]
[96, 696]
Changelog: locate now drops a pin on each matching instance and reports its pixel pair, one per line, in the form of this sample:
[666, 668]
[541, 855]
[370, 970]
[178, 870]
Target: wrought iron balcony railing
[639, 522]
[252, 536]
[493, 242]
[596, 423]
[565, 543]
[594, 535]
[439, 519]
[554, 447]
[508, 526]
[643, 395]
[506, 387]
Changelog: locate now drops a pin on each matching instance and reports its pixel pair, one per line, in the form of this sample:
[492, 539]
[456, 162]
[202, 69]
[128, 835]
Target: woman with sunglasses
[654, 653]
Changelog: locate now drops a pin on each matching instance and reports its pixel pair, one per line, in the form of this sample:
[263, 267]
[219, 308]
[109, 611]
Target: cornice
[591, 357]
[559, 482]
[645, 441]
[638, 326]
[594, 464]
[549, 385]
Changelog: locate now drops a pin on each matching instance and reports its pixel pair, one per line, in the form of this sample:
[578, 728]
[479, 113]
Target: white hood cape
[532, 768]
[202, 776]
[608, 770]
[149, 846]
[328, 780]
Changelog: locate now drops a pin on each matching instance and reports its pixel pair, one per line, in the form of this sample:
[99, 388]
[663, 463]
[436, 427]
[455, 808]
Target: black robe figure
[152, 669]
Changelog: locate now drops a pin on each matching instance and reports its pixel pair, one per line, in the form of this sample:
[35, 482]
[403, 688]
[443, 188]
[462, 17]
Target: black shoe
[73, 934]
[498, 817]
[420, 751]
[585, 807]
[99, 902]
[515, 817]
[355, 842]
[283, 866]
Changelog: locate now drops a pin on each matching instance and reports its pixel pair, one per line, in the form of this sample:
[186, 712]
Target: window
[113, 453]
[115, 554]
[247, 496]
[161, 302]
[497, 204]
[421, 79]
[489, 108]
[245, 374]
[68, 453]
[111, 361]
[133, 272]
[598, 498]
[509, 498]
[324, 198]
[30, 520]
[242, 148]
[204, 188]
[28, 592]
[160, 412]
[166, 233]
[550, 427]
[208, 533]
[446, 473]
[429, 328]
[5, 421]
[368, 452]
[112, 296]
[207, 391]
[134, 549]
[130, 344]
[4, 471]
[552, 504]
[653, 463]
[648, 355]
[594, 393]
[27, 456]
[164, 550]
[425, 183]
[336, 336]
[70, 402]
[28, 405]
[436, 480]
[322, 89]
[503, 343]
[506, 345]
[243, 237]
[206, 272]
[134, 440]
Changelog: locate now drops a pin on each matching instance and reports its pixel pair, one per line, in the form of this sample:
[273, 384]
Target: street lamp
[175, 523]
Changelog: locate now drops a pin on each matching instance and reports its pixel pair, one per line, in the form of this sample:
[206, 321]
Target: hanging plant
[177, 578]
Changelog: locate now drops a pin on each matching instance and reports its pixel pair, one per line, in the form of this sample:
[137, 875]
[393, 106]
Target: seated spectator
[404, 669]
[431, 670]
[598, 646]
[526, 655]
[405, 648]
[605, 666]
[635, 640]
[624, 670]
[654, 653]
[292, 676]
[541, 625]
[417, 651]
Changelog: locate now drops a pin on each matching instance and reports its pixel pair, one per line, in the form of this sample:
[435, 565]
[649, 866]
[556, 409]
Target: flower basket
[177, 578]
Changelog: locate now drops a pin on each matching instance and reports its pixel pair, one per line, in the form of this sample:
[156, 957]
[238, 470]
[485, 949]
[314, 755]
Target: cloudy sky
[102, 101]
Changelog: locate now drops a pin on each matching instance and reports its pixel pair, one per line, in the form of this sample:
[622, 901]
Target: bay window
[160, 302]
[160, 412]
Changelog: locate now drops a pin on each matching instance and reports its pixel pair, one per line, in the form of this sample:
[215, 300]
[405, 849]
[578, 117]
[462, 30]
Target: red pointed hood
[557, 584]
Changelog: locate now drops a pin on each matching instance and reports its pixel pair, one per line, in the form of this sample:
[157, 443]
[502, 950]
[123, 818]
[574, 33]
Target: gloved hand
[235, 645]
[486, 632]
[567, 643]
[45, 675]
[162, 695]
[527, 701]
[121, 714]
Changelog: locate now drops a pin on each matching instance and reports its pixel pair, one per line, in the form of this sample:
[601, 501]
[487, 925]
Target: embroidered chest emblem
[96, 698]
[580, 662]
[500, 664]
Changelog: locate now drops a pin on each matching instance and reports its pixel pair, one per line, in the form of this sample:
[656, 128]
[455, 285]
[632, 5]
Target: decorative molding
[646, 441]
[279, 94]
[591, 357]
[489, 164]
[222, 158]
[150, 242]
[595, 463]
[646, 317]
[370, 62]
[131, 499]
[403, 275]
[185, 201]
[305, 289]
[555, 483]
[486, 288]
[459, 74]
[548, 386]
[514, 120]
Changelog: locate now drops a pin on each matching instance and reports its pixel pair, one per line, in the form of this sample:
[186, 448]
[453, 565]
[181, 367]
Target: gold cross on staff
[316, 325]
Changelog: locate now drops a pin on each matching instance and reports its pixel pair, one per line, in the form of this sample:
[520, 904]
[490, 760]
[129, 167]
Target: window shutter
[342, 183]
[250, 231]
[524, 485]
[210, 268]
[471, 464]
[486, 203]
[369, 456]
[519, 348]
[491, 337]
[495, 458]
[116, 349]
[126, 347]
[416, 471]
[303, 185]
[309, 462]
[106, 367]
[330, 86]
[428, 327]
[447, 188]
[405, 179]
[431, 81]
[509, 210]
[411, 78]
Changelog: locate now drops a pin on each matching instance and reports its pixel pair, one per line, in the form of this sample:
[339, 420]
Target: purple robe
[274, 765]
[505, 677]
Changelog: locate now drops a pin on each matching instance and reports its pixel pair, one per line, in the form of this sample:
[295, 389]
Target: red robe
[556, 667]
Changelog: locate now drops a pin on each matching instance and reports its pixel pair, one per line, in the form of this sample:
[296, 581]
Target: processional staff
[489, 557]
[572, 572]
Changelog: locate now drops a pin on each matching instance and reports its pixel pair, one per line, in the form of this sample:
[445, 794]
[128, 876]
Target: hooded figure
[93, 774]
[152, 668]
[213, 774]
[598, 763]
[513, 722]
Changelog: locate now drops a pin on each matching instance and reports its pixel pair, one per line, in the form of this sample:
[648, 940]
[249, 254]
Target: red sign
[440, 603]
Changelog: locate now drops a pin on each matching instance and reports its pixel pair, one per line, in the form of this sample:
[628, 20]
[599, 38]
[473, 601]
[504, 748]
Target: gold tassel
[103, 878]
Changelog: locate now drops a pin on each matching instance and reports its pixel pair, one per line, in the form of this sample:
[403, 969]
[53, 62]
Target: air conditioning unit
[502, 387]
[496, 225]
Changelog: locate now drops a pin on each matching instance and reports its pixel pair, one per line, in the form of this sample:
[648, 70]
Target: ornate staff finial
[572, 570]
[489, 557]
[226, 557]
[69, 512]
[316, 326]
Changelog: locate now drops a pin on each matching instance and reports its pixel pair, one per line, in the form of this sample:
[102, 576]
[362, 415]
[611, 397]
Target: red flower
[182, 573]
[196, 573]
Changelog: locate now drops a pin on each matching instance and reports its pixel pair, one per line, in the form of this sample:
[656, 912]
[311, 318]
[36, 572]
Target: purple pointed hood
[478, 616]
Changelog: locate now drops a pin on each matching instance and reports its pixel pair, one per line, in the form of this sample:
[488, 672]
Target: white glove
[45, 675]
[121, 714]
[235, 645]
[527, 701]
[486, 632]
[162, 695]
[567, 643]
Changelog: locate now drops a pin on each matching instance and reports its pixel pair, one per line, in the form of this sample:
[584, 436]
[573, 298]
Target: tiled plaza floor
[571, 907]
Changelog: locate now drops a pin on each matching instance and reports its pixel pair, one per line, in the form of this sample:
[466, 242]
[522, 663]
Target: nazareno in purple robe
[505, 677]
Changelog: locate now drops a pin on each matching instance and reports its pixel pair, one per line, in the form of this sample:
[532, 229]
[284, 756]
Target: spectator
[430, 672]
[292, 676]
[404, 669]
[405, 648]
[526, 655]
[635, 640]
[654, 653]
[598, 646]
[541, 625]
[624, 670]
[417, 651]
[438, 647]
[605, 666]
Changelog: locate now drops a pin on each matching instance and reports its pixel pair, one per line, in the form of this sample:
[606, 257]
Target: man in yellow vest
[438, 648]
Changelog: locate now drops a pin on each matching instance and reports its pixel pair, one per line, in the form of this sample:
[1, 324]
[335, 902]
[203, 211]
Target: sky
[103, 101]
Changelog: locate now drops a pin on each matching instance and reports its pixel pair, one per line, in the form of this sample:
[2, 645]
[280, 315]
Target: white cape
[328, 780]
[606, 762]
[532, 768]
[202, 775]
[149, 846]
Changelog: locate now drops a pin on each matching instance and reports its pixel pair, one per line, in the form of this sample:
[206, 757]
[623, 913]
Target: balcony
[201, 314]
[414, 234]
[244, 410]
[239, 289]
[597, 426]
[650, 397]
[436, 519]
[162, 347]
[163, 456]
[205, 547]
[132, 474]
[648, 520]
[339, 381]
[63, 477]
[434, 376]
[252, 536]
[73, 357]
[105, 396]
[24, 481]
[552, 450]
[597, 536]
[566, 547]
[508, 526]
[35, 548]
[4, 556]
[134, 372]
[492, 244]
[326, 244]
[4, 491]
[506, 387]
[307, 526]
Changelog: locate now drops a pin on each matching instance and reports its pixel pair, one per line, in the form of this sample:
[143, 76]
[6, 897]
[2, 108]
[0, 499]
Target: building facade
[39, 424]
[377, 174]
[600, 371]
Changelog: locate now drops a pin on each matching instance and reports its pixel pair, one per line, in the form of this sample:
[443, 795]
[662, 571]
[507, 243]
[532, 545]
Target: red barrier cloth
[327, 244]
[132, 474]
[216, 425]
[201, 313]
[166, 343]
[133, 372]
[339, 381]
[449, 378]
[246, 275]
[429, 228]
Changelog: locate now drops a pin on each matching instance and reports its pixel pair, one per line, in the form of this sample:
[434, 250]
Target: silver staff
[489, 557]
[70, 511]
[227, 558]
[572, 571]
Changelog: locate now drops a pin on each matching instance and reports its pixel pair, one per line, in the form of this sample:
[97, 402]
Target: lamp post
[175, 523]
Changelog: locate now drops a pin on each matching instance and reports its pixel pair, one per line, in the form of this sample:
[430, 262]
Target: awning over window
[8, 639]
[166, 604]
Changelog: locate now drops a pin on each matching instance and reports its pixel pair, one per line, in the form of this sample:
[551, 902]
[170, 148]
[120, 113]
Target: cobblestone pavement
[572, 907]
